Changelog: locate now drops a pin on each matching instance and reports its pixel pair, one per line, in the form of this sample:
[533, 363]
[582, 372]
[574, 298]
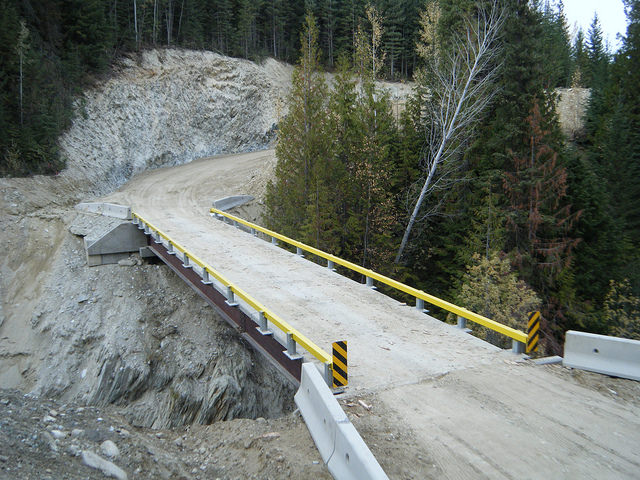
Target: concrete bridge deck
[473, 409]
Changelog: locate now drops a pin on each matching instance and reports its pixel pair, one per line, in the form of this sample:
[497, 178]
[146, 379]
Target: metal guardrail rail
[232, 291]
[518, 336]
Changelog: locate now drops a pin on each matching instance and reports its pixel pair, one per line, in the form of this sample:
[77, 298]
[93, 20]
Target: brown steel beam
[273, 350]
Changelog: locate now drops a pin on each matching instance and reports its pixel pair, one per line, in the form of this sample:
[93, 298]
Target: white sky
[610, 13]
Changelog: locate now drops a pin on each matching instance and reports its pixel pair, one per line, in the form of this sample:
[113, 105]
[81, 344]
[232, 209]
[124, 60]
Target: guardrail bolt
[517, 347]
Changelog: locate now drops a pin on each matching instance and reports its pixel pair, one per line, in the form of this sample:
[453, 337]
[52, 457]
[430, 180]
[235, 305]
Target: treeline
[515, 217]
[50, 49]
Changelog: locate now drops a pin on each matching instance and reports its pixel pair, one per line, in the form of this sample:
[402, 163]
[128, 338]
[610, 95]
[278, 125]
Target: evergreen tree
[556, 46]
[596, 74]
[304, 141]
[580, 61]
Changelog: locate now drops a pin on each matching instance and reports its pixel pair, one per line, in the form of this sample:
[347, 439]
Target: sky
[610, 13]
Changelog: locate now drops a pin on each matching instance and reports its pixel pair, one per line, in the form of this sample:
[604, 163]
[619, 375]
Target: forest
[487, 205]
[474, 194]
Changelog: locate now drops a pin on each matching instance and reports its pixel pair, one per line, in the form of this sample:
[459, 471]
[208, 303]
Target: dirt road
[471, 410]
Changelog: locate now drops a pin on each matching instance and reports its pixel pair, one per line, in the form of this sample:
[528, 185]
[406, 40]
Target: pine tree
[580, 61]
[303, 141]
[596, 74]
[556, 46]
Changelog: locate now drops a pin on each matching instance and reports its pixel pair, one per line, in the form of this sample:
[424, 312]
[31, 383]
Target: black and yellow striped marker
[533, 332]
[340, 364]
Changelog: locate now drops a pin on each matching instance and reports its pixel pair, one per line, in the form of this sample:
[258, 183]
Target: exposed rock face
[168, 107]
[572, 108]
[134, 336]
[161, 108]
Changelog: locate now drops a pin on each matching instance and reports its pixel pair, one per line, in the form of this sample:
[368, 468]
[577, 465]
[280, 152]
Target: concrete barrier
[228, 203]
[106, 209]
[342, 449]
[614, 356]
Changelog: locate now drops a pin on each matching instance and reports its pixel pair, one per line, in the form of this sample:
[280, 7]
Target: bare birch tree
[460, 85]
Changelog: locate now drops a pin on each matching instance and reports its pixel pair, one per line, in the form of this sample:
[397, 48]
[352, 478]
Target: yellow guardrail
[414, 292]
[299, 338]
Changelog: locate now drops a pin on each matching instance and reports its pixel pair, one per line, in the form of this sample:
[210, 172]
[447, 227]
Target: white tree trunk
[464, 88]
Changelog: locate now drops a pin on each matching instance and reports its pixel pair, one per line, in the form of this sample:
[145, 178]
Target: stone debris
[58, 434]
[109, 449]
[108, 468]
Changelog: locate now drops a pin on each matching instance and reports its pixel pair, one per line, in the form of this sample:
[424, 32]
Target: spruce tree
[303, 141]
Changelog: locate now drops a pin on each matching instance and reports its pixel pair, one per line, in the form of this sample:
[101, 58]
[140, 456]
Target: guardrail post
[185, 261]
[170, 249]
[254, 232]
[517, 347]
[231, 299]
[370, 283]
[274, 241]
[420, 304]
[206, 279]
[328, 374]
[462, 322]
[291, 348]
[291, 345]
[299, 252]
[263, 326]
[331, 265]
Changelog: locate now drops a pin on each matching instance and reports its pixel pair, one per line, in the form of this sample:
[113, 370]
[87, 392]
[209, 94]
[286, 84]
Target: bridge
[472, 409]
